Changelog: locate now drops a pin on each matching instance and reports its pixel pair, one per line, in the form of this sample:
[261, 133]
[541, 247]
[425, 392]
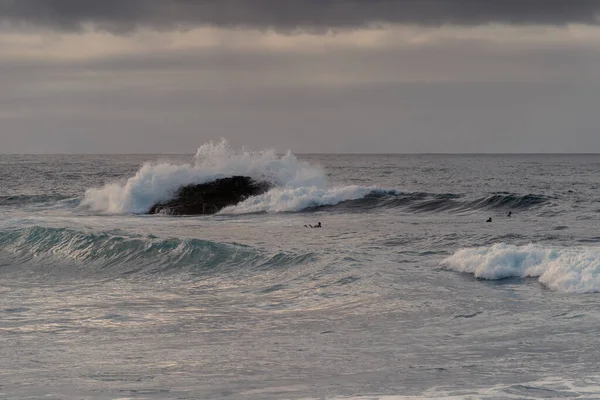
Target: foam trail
[573, 270]
[157, 182]
[296, 199]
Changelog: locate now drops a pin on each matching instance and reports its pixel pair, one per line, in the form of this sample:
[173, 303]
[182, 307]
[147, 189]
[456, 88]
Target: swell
[338, 199]
[58, 250]
[21, 200]
[430, 202]
[296, 186]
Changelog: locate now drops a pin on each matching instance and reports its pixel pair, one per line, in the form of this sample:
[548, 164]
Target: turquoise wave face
[48, 249]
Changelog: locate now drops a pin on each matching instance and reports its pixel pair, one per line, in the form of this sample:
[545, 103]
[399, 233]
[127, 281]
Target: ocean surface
[406, 292]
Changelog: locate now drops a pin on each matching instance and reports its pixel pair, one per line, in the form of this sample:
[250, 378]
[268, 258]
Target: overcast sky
[359, 76]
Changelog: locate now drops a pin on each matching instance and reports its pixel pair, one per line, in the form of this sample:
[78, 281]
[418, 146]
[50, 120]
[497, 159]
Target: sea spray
[155, 182]
[296, 199]
[297, 185]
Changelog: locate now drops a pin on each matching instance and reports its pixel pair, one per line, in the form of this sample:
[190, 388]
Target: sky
[311, 76]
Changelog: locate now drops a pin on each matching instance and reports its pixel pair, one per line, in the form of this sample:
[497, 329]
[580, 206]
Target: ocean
[406, 292]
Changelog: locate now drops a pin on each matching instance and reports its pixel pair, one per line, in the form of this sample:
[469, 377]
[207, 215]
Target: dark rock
[211, 197]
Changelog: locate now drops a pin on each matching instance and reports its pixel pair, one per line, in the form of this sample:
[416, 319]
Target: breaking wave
[157, 182]
[298, 186]
[299, 199]
[574, 270]
[367, 199]
[20, 200]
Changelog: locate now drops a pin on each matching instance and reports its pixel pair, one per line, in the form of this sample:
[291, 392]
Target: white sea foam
[574, 269]
[298, 184]
[296, 199]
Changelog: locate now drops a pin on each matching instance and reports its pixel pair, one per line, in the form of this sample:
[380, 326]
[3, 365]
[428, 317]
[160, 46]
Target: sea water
[406, 291]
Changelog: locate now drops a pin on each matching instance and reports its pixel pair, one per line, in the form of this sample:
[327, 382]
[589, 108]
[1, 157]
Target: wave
[299, 199]
[510, 201]
[41, 247]
[493, 202]
[19, 200]
[155, 183]
[361, 198]
[572, 270]
[297, 186]
[430, 202]
[335, 199]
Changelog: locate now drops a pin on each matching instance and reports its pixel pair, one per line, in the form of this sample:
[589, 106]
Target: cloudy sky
[359, 76]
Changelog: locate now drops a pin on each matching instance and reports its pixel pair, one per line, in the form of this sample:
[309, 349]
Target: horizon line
[310, 154]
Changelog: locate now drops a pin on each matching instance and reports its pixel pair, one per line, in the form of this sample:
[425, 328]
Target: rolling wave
[339, 199]
[432, 202]
[155, 183]
[509, 201]
[573, 270]
[119, 254]
[20, 200]
[300, 199]
[297, 186]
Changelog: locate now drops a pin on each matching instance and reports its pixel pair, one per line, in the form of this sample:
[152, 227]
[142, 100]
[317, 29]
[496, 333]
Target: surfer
[489, 219]
[318, 225]
[509, 214]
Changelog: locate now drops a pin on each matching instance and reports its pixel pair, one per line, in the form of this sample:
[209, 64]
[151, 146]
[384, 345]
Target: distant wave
[493, 202]
[19, 200]
[298, 186]
[423, 202]
[117, 254]
[158, 182]
[511, 201]
[332, 199]
[300, 199]
[575, 270]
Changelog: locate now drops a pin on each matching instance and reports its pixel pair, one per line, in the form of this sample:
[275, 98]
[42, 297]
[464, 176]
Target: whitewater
[405, 293]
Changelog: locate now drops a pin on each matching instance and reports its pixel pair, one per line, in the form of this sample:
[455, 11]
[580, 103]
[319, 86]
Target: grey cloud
[216, 71]
[390, 118]
[447, 97]
[120, 16]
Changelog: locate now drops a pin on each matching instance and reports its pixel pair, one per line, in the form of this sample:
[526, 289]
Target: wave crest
[297, 186]
[19, 200]
[574, 270]
[419, 202]
[158, 182]
[298, 199]
[126, 254]
[511, 201]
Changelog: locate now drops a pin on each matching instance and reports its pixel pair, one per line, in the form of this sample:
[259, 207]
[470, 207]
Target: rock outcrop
[211, 197]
